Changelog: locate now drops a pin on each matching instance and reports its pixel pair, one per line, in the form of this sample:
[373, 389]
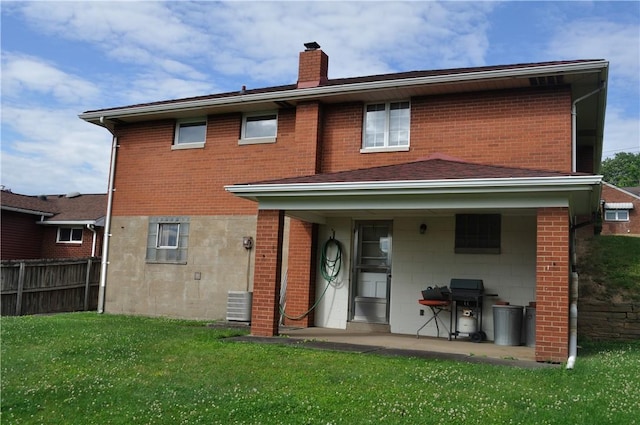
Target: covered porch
[413, 211]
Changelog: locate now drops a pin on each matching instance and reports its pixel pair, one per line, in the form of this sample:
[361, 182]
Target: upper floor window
[259, 128]
[69, 235]
[386, 125]
[478, 233]
[190, 133]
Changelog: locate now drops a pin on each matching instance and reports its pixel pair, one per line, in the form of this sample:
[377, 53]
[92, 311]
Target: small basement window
[478, 233]
[168, 240]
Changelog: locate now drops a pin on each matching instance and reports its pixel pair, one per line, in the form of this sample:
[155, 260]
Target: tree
[623, 170]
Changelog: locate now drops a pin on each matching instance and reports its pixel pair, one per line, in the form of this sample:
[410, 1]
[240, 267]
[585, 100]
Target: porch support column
[265, 314]
[552, 285]
[301, 274]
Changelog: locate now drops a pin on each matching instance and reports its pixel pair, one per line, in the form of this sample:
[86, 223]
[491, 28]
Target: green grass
[84, 368]
[614, 263]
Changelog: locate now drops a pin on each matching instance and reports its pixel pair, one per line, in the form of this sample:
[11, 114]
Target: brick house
[51, 226]
[620, 210]
[422, 176]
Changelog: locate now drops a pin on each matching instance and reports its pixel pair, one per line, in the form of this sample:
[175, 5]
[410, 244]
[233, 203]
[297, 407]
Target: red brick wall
[518, 128]
[266, 285]
[301, 273]
[552, 285]
[631, 227]
[152, 179]
[21, 237]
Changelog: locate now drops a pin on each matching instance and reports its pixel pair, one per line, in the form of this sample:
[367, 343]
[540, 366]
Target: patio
[396, 343]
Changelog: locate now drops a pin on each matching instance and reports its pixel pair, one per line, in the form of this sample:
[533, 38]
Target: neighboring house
[620, 210]
[422, 176]
[51, 226]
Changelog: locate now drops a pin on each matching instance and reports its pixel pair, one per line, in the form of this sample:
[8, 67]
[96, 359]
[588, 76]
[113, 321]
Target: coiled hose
[329, 269]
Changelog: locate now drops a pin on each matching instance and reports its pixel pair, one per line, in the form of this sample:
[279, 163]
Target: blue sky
[63, 58]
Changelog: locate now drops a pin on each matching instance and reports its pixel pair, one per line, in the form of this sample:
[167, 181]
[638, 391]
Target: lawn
[85, 368]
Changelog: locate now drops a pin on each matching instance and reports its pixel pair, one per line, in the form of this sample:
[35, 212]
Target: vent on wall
[239, 306]
[548, 80]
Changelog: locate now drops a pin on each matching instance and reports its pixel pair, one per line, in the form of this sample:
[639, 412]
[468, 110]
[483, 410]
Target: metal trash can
[507, 324]
[530, 326]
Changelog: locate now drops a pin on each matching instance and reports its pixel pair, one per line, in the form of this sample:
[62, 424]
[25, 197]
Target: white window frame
[386, 144]
[619, 215]
[189, 122]
[245, 140]
[159, 242]
[71, 240]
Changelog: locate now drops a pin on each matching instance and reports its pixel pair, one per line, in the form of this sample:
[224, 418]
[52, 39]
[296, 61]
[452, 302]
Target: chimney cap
[312, 45]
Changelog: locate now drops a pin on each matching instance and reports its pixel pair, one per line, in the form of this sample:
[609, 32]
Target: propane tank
[467, 323]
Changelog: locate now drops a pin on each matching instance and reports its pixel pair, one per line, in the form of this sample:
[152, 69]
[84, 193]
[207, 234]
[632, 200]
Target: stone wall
[608, 321]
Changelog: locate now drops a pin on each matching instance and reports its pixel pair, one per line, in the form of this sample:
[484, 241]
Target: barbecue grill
[467, 294]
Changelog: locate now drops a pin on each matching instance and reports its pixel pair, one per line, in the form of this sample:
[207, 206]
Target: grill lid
[466, 285]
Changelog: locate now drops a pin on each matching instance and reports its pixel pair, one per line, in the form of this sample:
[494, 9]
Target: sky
[62, 58]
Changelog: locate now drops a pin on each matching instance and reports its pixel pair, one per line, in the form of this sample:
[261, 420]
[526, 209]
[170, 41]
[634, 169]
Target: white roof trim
[527, 184]
[67, 222]
[27, 211]
[618, 205]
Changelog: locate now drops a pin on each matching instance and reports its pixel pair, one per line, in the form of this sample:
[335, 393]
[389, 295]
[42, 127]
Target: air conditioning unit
[239, 306]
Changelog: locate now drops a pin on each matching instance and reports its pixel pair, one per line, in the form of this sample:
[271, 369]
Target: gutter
[107, 225]
[417, 186]
[93, 241]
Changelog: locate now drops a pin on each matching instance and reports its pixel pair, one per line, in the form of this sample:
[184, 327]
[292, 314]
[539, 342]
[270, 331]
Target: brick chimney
[314, 66]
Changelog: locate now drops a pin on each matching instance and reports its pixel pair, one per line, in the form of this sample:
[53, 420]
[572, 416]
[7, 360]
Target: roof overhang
[316, 201]
[72, 222]
[583, 77]
[27, 211]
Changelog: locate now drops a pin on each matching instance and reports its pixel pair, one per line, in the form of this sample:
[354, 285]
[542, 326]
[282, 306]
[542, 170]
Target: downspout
[95, 236]
[107, 225]
[573, 289]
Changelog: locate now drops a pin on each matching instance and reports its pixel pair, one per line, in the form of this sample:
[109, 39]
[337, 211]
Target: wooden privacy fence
[49, 286]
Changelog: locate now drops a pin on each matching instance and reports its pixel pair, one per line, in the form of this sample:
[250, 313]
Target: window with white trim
[261, 127]
[616, 215]
[386, 125]
[69, 235]
[168, 240]
[190, 132]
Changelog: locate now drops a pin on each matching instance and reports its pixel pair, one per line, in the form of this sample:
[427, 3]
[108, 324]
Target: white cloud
[54, 152]
[622, 133]
[23, 75]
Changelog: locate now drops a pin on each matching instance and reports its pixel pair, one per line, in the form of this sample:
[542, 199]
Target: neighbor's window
[191, 132]
[477, 233]
[69, 235]
[386, 125]
[260, 126]
[616, 215]
[168, 240]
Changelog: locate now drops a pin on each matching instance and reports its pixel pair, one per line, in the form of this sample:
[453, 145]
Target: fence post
[20, 287]
[86, 285]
